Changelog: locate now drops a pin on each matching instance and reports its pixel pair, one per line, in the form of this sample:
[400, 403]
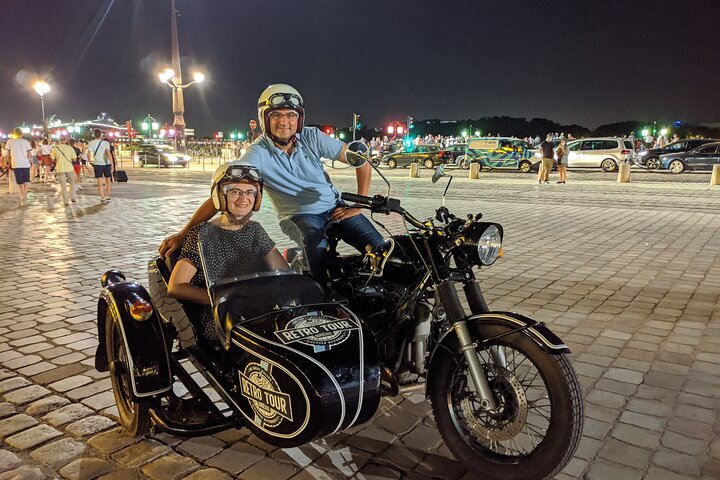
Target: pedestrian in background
[34, 163]
[547, 161]
[64, 156]
[45, 160]
[76, 163]
[102, 164]
[562, 155]
[18, 150]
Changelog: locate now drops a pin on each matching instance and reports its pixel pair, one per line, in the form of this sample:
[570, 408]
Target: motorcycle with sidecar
[298, 361]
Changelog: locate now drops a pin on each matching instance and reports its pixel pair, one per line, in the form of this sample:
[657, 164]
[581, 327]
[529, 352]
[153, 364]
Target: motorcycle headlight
[482, 242]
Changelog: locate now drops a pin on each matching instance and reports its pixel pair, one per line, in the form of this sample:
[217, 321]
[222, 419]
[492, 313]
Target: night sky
[585, 62]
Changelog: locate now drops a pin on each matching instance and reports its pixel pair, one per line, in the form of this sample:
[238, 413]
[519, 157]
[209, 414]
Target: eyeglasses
[291, 116]
[237, 193]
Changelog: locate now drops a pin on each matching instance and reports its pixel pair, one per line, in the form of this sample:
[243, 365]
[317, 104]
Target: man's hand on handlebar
[171, 243]
[342, 213]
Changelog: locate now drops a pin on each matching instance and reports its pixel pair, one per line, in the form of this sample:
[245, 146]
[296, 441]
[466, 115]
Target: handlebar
[380, 204]
[359, 199]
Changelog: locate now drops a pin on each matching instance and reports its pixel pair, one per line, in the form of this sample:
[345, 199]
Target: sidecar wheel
[538, 424]
[134, 416]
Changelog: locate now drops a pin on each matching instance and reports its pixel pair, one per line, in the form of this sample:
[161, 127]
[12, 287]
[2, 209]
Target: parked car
[650, 158]
[427, 155]
[451, 153]
[700, 158]
[148, 154]
[499, 152]
[605, 153]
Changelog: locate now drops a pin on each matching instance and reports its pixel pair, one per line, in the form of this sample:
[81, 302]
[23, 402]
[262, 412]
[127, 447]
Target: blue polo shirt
[297, 184]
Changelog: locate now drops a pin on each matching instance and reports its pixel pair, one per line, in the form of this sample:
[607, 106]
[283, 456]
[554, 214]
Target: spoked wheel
[653, 163]
[608, 165]
[392, 163]
[537, 425]
[428, 163]
[525, 166]
[676, 166]
[134, 416]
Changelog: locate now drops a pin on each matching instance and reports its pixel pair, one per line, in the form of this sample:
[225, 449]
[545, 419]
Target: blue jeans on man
[309, 231]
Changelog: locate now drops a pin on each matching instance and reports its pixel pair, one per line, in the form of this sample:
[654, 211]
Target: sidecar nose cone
[112, 277]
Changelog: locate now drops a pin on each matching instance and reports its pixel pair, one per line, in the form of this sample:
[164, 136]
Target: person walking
[102, 164]
[19, 151]
[548, 159]
[76, 163]
[64, 155]
[45, 160]
[34, 163]
[562, 156]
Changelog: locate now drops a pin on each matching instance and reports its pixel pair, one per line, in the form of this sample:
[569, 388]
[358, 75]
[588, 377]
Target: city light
[391, 129]
[25, 130]
[41, 88]
[464, 133]
[645, 132]
[166, 75]
[199, 77]
[145, 125]
[663, 131]
[155, 125]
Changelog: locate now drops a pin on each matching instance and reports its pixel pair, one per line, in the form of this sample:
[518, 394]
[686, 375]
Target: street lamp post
[172, 77]
[41, 88]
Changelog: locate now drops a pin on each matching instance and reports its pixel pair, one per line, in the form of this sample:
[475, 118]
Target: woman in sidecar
[286, 362]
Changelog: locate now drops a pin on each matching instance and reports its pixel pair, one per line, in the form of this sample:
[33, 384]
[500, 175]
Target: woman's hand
[171, 243]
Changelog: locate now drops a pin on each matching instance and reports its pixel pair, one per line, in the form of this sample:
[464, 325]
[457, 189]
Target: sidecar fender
[538, 332]
[149, 364]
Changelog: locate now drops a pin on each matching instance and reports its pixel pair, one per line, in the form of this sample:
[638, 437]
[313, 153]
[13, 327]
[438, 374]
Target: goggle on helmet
[234, 172]
[276, 97]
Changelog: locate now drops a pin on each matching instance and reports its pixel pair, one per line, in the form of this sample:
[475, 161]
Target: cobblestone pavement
[628, 275]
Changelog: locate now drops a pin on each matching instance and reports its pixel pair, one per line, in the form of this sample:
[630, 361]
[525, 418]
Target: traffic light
[328, 129]
[410, 122]
[356, 121]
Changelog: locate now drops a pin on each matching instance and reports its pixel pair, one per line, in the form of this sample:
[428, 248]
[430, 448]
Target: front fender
[149, 364]
[538, 332]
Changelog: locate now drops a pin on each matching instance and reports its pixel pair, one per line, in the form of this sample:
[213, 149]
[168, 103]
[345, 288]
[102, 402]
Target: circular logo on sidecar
[261, 389]
[319, 331]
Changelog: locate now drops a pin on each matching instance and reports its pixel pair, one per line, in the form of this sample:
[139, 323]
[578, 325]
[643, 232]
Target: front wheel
[134, 416]
[392, 163]
[538, 423]
[525, 166]
[676, 166]
[608, 165]
[428, 163]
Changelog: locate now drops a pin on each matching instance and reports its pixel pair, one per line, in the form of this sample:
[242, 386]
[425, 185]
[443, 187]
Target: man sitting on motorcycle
[238, 245]
[289, 156]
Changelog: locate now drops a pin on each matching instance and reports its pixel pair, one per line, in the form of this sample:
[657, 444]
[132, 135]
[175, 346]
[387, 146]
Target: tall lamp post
[173, 78]
[41, 88]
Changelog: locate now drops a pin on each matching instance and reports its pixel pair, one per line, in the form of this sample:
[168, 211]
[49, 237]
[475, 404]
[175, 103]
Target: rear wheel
[608, 165]
[524, 166]
[537, 426]
[676, 166]
[653, 163]
[134, 416]
[428, 163]
[392, 163]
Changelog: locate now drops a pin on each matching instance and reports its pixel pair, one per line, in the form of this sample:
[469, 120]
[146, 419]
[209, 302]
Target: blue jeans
[309, 231]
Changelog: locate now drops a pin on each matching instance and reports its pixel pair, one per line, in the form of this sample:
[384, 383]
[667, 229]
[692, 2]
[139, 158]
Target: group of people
[285, 162]
[552, 156]
[64, 162]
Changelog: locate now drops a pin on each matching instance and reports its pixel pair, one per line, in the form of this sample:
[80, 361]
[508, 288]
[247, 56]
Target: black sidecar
[290, 366]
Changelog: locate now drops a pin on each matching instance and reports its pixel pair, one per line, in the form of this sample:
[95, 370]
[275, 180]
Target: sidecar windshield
[240, 280]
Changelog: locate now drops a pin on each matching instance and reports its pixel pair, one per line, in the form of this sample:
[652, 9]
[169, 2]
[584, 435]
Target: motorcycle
[299, 361]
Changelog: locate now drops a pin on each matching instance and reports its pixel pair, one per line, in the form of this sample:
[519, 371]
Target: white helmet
[279, 96]
[234, 172]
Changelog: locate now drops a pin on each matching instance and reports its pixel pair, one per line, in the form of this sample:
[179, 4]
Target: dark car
[427, 155]
[650, 159]
[451, 153]
[148, 154]
[700, 158]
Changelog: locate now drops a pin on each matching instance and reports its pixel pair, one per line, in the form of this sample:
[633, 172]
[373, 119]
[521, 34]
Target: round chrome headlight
[489, 245]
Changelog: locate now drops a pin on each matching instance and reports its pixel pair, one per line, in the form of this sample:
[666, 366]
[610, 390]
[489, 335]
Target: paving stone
[70, 383]
[8, 460]
[641, 420]
[695, 413]
[13, 424]
[624, 375]
[691, 446]
[27, 394]
[170, 467]
[67, 414]
[422, 438]
[32, 437]
[343, 461]
[371, 439]
[112, 440]
[140, 453]
[201, 448]
[588, 448]
[601, 470]
[268, 468]
[619, 452]
[439, 467]
[85, 468]
[119, 475]
[236, 458]
[656, 473]
[7, 409]
[679, 462]
[606, 399]
[633, 435]
[689, 428]
[23, 473]
[90, 425]
[59, 453]
[208, 474]
[649, 407]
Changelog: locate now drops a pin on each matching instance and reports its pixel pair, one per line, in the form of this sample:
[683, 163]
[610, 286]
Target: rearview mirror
[357, 154]
[439, 173]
